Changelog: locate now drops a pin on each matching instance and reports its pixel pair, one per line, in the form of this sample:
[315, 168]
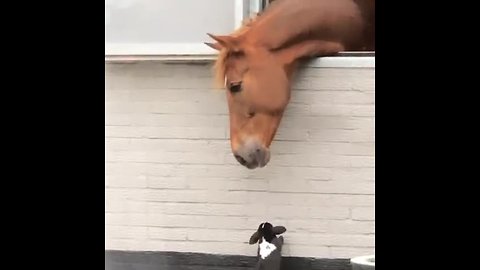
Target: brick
[207, 209]
[333, 97]
[176, 195]
[206, 183]
[118, 96]
[137, 181]
[306, 225]
[159, 182]
[358, 149]
[343, 187]
[331, 148]
[343, 110]
[340, 240]
[324, 161]
[350, 252]
[125, 232]
[174, 95]
[198, 170]
[124, 168]
[198, 221]
[189, 107]
[325, 200]
[126, 219]
[350, 227]
[167, 233]
[351, 200]
[321, 186]
[125, 194]
[167, 157]
[129, 81]
[176, 120]
[329, 212]
[157, 69]
[166, 145]
[321, 79]
[166, 132]
[363, 135]
[222, 235]
[120, 205]
[118, 119]
[363, 213]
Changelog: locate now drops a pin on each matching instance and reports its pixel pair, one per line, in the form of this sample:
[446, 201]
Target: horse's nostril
[240, 159]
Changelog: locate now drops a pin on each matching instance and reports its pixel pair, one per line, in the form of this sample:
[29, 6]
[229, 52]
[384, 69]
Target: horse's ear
[254, 238]
[228, 42]
[279, 229]
[215, 45]
[309, 48]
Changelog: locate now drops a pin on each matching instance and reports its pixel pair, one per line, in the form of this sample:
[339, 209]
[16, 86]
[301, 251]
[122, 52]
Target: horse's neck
[276, 25]
[287, 21]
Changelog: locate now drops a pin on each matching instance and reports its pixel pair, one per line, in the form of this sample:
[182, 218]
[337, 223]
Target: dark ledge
[159, 260]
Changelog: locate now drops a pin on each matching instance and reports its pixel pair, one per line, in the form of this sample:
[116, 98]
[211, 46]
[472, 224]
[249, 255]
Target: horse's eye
[235, 87]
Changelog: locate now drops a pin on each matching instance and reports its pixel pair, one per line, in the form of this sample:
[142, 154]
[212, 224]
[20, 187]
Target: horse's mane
[220, 68]
[220, 63]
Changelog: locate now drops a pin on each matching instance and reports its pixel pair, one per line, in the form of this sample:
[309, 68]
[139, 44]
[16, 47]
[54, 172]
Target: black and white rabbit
[269, 246]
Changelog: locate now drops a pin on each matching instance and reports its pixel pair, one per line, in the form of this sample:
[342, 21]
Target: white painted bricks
[172, 183]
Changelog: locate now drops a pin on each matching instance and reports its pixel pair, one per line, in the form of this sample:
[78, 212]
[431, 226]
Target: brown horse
[256, 62]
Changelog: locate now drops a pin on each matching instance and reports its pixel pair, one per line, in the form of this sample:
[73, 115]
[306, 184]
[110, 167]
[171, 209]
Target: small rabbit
[269, 246]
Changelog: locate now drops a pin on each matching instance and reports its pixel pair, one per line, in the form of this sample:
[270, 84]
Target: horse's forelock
[220, 63]
[220, 68]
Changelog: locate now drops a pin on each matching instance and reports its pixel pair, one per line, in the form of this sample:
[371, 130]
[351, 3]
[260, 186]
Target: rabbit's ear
[279, 229]
[254, 238]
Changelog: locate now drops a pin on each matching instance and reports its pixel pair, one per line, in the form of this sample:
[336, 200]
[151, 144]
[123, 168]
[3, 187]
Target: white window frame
[184, 52]
[243, 9]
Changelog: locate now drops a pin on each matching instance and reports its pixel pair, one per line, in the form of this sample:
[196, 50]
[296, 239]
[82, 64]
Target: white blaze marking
[266, 248]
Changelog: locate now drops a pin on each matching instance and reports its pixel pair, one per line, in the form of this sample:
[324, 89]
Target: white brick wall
[172, 183]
